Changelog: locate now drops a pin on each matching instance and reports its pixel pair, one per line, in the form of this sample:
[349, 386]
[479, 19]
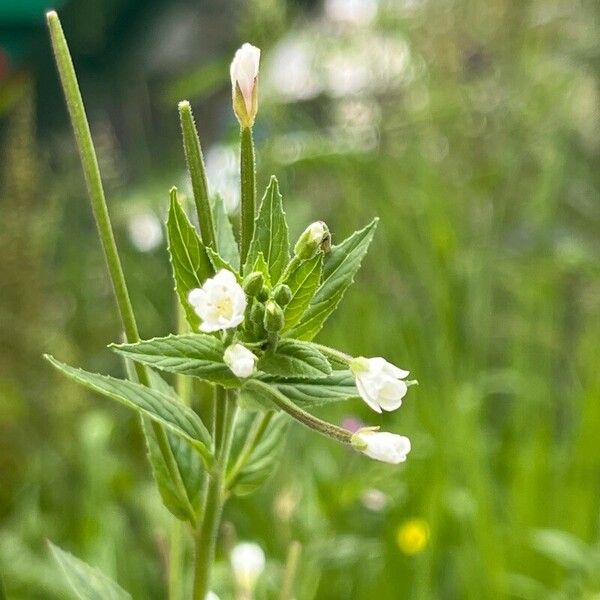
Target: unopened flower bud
[263, 295]
[240, 360]
[381, 445]
[314, 238]
[282, 294]
[274, 319]
[257, 313]
[253, 283]
[244, 84]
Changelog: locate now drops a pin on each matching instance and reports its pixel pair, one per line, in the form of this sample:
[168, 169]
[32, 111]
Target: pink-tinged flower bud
[244, 84]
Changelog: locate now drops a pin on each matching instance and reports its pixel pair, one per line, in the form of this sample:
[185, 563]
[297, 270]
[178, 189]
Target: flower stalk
[248, 191]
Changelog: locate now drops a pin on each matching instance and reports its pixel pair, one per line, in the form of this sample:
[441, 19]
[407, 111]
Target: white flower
[145, 231]
[381, 445]
[240, 360]
[379, 382]
[220, 302]
[244, 73]
[247, 562]
[212, 596]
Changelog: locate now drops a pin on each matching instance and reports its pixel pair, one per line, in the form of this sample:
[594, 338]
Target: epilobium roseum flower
[381, 445]
[247, 562]
[244, 88]
[240, 360]
[220, 302]
[380, 383]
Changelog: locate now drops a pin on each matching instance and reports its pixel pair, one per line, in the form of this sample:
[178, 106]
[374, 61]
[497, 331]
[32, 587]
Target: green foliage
[303, 279]
[190, 263]
[226, 243]
[271, 235]
[86, 582]
[196, 354]
[340, 266]
[159, 407]
[295, 359]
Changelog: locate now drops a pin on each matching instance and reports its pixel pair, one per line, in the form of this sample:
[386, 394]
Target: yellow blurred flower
[413, 536]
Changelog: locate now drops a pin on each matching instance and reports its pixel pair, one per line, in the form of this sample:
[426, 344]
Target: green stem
[260, 425]
[195, 163]
[291, 567]
[323, 427]
[337, 355]
[248, 192]
[206, 536]
[93, 180]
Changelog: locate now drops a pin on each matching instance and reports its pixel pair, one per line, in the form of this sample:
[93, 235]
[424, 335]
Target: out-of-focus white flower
[381, 445]
[223, 174]
[145, 231]
[380, 383]
[240, 360]
[212, 596]
[220, 302]
[359, 12]
[374, 499]
[247, 562]
[244, 74]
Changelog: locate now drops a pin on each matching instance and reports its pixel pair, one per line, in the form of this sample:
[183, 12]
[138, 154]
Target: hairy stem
[195, 163]
[206, 536]
[248, 192]
[323, 427]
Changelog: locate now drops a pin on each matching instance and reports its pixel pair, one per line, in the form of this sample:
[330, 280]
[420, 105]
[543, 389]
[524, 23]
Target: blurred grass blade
[338, 274]
[87, 582]
[195, 163]
[226, 242]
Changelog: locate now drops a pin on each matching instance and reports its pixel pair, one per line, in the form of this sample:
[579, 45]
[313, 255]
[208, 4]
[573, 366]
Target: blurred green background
[473, 130]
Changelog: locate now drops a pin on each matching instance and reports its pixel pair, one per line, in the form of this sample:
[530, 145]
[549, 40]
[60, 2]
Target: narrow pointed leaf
[87, 582]
[339, 270]
[271, 235]
[303, 281]
[176, 416]
[218, 263]
[190, 263]
[196, 354]
[226, 243]
[293, 358]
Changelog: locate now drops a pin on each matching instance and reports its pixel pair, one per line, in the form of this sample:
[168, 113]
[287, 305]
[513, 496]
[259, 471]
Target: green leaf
[293, 358]
[271, 235]
[306, 393]
[190, 263]
[181, 500]
[226, 244]
[87, 582]
[196, 354]
[264, 458]
[175, 416]
[218, 262]
[260, 265]
[303, 280]
[341, 265]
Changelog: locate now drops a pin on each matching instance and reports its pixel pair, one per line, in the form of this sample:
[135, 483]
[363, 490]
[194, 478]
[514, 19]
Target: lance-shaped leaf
[306, 393]
[226, 244]
[162, 408]
[303, 280]
[292, 358]
[196, 354]
[88, 583]
[218, 262]
[339, 269]
[271, 235]
[181, 497]
[263, 455]
[190, 263]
